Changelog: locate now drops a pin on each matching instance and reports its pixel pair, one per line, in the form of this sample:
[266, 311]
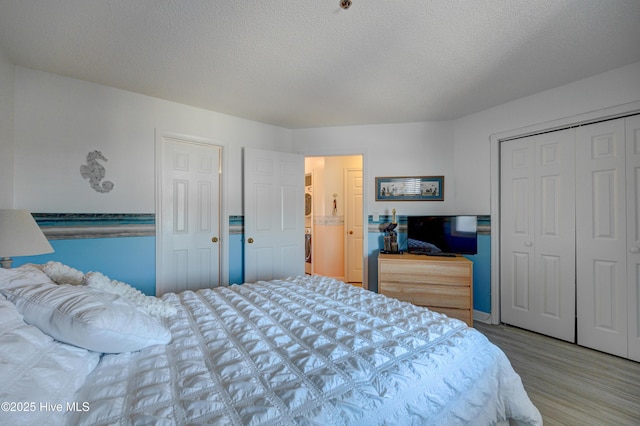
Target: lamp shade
[20, 235]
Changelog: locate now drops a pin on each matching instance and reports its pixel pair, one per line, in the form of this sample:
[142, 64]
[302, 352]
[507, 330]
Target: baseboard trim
[482, 317]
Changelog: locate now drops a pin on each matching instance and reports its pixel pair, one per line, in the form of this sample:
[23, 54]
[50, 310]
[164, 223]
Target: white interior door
[538, 234]
[633, 233]
[517, 189]
[188, 229]
[554, 224]
[354, 225]
[601, 229]
[273, 215]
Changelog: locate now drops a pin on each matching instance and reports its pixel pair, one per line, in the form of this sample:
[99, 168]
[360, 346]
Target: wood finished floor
[569, 384]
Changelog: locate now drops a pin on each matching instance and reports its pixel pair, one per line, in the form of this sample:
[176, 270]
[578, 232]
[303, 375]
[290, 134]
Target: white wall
[7, 72]
[472, 133]
[460, 150]
[413, 149]
[59, 120]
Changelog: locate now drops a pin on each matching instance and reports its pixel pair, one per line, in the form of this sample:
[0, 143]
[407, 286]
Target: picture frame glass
[407, 188]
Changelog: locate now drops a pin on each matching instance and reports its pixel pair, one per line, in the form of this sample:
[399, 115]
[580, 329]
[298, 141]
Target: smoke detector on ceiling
[345, 4]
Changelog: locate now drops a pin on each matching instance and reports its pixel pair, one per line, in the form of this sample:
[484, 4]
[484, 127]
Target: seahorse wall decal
[95, 172]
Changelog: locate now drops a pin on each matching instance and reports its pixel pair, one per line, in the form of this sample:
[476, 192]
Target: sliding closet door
[601, 234]
[538, 234]
[633, 233]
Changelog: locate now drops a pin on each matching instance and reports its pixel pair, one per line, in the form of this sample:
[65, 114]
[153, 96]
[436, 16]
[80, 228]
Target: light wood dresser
[443, 284]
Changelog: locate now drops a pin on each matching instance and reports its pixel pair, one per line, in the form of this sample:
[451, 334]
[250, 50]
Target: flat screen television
[442, 234]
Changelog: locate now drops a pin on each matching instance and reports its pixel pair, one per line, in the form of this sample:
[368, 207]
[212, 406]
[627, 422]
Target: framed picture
[406, 188]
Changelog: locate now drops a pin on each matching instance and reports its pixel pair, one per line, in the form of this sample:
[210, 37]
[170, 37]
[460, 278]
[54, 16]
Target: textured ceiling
[308, 63]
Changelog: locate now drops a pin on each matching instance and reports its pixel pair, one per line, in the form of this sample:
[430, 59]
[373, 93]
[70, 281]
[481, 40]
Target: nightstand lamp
[20, 235]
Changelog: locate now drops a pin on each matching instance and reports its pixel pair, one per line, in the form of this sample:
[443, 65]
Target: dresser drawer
[425, 272]
[461, 314]
[445, 296]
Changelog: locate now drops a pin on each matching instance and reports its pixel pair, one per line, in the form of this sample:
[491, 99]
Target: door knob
[528, 244]
[350, 232]
[634, 250]
[214, 239]
[250, 240]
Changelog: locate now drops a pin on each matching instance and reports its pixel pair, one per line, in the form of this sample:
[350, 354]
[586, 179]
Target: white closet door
[554, 263]
[538, 234]
[633, 233]
[601, 237]
[516, 232]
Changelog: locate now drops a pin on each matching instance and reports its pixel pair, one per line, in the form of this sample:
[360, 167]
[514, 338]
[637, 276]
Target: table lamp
[20, 235]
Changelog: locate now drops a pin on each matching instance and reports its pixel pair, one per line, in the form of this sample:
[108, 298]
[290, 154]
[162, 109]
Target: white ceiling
[308, 63]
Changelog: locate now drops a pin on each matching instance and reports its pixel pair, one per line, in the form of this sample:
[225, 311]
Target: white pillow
[151, 305]
[9, 315]
[80, 315]
[35, 370]
[62, 274]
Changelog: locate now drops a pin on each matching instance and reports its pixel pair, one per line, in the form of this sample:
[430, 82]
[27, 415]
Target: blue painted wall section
[482, 267]
[236, 249]
[128, 259]
[122, 246]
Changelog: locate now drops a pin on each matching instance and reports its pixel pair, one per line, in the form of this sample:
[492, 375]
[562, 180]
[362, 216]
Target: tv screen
[442, 234]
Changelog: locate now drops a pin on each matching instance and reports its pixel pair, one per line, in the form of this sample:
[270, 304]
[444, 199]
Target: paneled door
[601, 237]
[537, 234]
[633, 233]
[516, 232]
[188, 215]
[273, 215]
[354, 225]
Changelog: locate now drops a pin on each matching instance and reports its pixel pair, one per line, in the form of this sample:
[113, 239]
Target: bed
[306, 350]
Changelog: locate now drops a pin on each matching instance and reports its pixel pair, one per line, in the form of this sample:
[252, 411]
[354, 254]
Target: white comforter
[306, 351]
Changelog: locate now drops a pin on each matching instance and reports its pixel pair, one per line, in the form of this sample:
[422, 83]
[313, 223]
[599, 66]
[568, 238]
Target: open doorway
[334, 227]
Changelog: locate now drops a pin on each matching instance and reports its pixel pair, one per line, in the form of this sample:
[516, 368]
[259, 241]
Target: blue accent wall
[128, 259]
[131, 259]
[236, 249]
[236, 259]
[482, 275]
[121, 246]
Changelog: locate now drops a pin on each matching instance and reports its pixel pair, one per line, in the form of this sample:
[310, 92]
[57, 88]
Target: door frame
[496, 139]
[224, 218]
[328, 152]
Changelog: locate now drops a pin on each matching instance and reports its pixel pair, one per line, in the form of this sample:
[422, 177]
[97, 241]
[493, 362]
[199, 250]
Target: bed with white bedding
[305, 350]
